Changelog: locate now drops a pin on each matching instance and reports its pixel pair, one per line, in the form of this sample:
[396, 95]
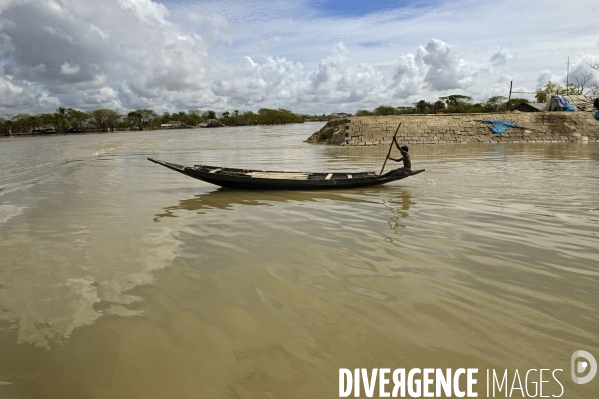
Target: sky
[307, 56]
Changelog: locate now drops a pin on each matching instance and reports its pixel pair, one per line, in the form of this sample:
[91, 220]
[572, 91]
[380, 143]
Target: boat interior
[260, 174]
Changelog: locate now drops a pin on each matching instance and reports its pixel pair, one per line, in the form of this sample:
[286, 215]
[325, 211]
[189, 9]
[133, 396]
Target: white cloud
[147, 10]
[447, 69]
[329, 70]
[6, 44]
[59, 33]
[500, 58]
[8, 89]
[18, 96]
[103, 35]
[238, 54]
[68, 69]
[46, 101]
[408, 76]
[544, 77]
[39, 68]
[581, 66]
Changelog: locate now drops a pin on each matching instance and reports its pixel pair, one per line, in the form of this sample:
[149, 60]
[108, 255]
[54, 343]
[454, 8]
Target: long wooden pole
[568, 77]
[390, 148]
[509, 99]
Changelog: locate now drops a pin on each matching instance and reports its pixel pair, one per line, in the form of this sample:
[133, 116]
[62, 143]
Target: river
[120, 278]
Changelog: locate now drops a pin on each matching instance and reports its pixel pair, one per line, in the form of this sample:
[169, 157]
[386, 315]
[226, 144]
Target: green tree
[22, 123]
[554, 89]
[61, 117]
[423, 107]
[279, 116]
[459, 103]
[439, 106]
[6, 126]
[363, 112]
[250, 118]
[385, 110]
[226, 119]
[495, 104]
[47, 120]
[18, 123]
[195, 117]
[143, 116]
[76, 118]
[455, 99]
[104, 119]
[129, 122]
[572, 89]
[541, 96]
[551, 89]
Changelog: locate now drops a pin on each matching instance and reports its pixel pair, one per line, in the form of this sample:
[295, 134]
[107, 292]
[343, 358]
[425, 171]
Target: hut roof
[531, 107]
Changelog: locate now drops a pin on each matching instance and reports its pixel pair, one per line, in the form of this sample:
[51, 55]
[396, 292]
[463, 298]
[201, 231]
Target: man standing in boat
[407, 164]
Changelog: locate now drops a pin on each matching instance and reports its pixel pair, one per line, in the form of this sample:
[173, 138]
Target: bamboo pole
[390, 148]
[510, 97]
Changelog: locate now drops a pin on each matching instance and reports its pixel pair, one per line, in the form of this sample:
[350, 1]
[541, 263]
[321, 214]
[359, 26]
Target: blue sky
[356, 8]
[335, 8]
[310, 56]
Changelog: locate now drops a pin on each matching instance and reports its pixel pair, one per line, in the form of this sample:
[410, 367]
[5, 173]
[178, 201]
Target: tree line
[71, 120]
[65, 120]
[454, 103]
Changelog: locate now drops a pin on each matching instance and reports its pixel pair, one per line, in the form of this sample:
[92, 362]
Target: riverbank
[459, 128]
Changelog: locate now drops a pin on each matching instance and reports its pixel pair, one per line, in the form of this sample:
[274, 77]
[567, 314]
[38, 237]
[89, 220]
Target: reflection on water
[223, 198]
[122, 279]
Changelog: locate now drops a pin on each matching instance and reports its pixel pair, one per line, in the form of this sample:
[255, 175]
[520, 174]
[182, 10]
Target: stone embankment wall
[465, 128]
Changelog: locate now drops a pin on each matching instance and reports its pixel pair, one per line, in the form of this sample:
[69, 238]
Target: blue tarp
[597, 115]
[500, 126]
[564, 105]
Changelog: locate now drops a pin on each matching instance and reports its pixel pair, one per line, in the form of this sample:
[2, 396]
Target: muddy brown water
[122, 279]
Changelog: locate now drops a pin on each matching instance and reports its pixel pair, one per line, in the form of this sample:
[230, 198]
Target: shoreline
[139, 131]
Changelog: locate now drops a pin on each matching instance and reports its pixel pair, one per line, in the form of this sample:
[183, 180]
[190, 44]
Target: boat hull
[269, 180]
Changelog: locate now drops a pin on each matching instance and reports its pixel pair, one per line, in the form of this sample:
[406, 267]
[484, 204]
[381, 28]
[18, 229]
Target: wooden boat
[270, 180]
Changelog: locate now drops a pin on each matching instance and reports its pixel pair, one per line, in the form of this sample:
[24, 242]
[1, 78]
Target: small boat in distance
[269, 180]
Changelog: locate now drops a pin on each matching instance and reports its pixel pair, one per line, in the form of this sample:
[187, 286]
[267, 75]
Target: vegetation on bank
[66, 120]
[455, 103]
